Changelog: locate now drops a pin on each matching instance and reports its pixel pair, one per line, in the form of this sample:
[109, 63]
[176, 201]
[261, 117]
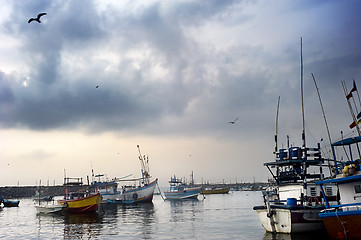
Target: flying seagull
[97, 87]
[37, 19]
[233, 122]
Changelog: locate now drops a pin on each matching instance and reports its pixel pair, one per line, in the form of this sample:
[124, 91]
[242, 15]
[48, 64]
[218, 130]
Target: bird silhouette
[233, 122]
[37, 19]
[97, 87]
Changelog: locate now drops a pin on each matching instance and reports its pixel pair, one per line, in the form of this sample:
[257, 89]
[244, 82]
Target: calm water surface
[225, 216]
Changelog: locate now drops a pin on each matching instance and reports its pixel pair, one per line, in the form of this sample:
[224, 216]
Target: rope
[160, 192]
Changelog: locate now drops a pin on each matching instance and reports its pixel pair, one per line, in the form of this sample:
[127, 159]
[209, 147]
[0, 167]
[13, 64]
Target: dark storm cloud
[150, 68]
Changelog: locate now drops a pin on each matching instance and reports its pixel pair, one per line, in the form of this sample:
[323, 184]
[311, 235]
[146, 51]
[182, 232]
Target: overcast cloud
[178, 69]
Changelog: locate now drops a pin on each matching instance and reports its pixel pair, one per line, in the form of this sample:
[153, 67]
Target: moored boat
[80, 201]
[215, 190]
[294, 205]
[135, 190]
[9, 203]
[343, 220]
[49, 209]
[179, 190]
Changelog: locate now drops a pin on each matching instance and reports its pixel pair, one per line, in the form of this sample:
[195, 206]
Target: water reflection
[184, 215]
[85, 225]
[140, 215]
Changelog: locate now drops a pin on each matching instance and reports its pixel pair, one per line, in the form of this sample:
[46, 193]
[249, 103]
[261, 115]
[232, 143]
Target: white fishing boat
[296, 202]
[49, 209]
[126, 190]
[179, 190]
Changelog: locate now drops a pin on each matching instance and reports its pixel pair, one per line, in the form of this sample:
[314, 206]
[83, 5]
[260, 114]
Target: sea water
[217, 216]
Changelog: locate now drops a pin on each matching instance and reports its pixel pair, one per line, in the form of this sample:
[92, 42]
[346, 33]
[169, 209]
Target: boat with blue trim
[179, 190]
[132, 190]
[343, 220]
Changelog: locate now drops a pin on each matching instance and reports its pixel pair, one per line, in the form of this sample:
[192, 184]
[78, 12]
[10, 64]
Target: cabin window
[313, 191]
[329, 191]
[358, 189]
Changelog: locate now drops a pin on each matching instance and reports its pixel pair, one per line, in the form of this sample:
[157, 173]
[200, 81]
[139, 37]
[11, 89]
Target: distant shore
[30, 191]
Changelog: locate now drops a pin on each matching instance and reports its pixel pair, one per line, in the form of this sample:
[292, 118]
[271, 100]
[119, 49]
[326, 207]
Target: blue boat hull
[190, 193]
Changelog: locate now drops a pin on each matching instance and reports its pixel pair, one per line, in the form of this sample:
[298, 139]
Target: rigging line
[358, 96]
[160, 192]
[324, 117]
[350, 107]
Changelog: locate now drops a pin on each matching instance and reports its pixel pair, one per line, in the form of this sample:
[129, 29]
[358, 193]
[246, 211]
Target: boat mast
[145, 169]
[304, 155]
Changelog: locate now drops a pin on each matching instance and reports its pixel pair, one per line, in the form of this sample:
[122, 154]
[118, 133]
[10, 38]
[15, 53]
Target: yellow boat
[215, 191]
[78, 203]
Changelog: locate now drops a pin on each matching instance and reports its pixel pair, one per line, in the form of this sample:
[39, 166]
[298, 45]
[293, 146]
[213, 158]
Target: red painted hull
[343, 227]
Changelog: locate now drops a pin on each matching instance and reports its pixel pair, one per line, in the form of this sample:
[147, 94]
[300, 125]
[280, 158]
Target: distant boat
[178, 190]
[79, 202]
[42, 197]
[215, 190]
[135, 190]
[9, 203]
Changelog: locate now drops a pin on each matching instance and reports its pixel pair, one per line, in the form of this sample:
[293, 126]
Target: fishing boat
[179, 190]
[343, 219]
[80, 201]
[9, 203]
[295, 202]
[215, 190]
[131, 190]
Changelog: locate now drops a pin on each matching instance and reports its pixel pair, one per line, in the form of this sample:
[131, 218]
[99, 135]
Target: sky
[171, 75]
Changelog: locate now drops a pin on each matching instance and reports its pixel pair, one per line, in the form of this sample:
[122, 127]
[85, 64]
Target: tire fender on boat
[135, 196]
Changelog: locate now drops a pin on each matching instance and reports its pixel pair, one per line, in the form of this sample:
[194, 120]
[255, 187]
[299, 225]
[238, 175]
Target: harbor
[153, 119]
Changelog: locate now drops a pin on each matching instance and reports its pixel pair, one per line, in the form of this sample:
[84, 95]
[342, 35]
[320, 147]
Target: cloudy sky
[171, 75]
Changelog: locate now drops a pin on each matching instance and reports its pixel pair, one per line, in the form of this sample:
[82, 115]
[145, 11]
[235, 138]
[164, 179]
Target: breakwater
[30, 191]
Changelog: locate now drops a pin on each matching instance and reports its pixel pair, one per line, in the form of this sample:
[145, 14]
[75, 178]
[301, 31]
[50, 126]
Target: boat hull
[342, 225]
[86, 204]
[215, 191]
[184, 194]
[10, 203]
[49, 209]
[142, 194]
[290, 219]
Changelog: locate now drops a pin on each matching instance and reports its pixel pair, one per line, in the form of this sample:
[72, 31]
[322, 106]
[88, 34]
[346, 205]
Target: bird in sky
[37, 19]
[233, 122]
[97, 87]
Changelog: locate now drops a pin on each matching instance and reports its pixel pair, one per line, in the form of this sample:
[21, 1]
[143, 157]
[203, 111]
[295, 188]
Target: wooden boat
[178, 190]
[80, 201]
[343, 220]
[135, 190]
[215, 190]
